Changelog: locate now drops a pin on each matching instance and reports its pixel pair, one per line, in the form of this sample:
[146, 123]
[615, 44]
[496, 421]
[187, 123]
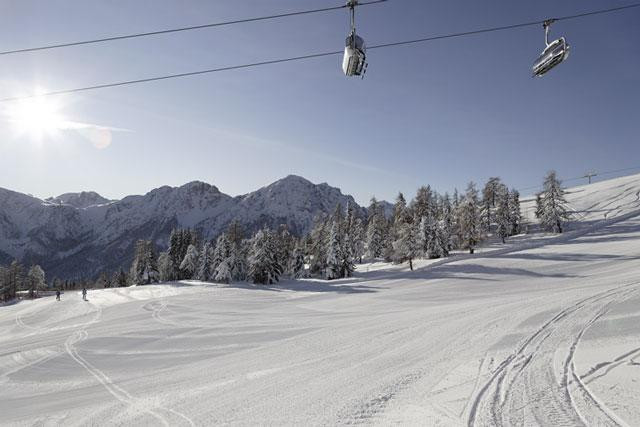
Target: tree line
[432, 225]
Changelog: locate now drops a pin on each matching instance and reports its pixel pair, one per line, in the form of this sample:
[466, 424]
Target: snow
[544, 331]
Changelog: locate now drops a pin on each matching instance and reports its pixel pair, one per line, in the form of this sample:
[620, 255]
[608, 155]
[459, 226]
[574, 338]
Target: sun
[37, 117]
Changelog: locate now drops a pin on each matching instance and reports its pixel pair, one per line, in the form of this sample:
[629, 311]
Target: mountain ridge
[82, 234]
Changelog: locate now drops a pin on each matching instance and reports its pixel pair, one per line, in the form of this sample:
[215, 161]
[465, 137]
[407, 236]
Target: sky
[441, 113]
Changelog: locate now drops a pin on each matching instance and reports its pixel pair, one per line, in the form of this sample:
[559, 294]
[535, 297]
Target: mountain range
[82, 234]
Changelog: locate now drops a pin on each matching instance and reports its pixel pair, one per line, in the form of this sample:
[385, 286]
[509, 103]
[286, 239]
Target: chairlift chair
[553, 54]
[354, 62]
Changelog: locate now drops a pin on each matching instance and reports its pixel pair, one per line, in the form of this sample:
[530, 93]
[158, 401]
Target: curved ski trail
[166, 416]
[538, 383]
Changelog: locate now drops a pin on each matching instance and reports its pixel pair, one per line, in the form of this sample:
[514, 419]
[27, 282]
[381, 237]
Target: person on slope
[84, 293]
[57, 294]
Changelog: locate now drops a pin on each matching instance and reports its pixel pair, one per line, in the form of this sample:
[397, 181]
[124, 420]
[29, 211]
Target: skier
[84, 293]
[57, 294]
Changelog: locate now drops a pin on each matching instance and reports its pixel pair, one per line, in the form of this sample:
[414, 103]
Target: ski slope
[545, 332]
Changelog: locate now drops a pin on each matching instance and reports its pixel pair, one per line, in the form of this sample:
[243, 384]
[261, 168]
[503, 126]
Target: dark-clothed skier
[84, 293]
[57, 294]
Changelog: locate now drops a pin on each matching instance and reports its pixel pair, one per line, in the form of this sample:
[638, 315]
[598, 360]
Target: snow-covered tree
[36, 280]
[238, 261]
[424, 205]
[406, 246]
[515, 215]
[144, 269]
[318, 241]
[296, 264]
[489, 198]
[334, 253]
[553, 211]
[264, 267]
[376, 230]
[221, 252]
[179, 242]
[190, 262]
[358, 240]
[448, 222]
[205, 262]
[223, 272]
[503, 215]
[165, 268]
[469, 219]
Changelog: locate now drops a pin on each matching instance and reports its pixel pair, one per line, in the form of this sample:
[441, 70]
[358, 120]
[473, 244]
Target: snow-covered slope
[597, 201]
[544, 336]
[83, 236]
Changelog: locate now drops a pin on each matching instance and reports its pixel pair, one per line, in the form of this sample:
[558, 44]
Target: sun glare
[36, 117]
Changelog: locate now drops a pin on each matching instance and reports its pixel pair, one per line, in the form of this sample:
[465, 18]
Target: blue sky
[441, 113]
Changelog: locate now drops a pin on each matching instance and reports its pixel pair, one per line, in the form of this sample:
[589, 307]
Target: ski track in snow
[166, 416]
[529, 372]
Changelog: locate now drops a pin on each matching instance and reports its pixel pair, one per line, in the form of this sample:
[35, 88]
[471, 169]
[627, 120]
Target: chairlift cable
[305, 57]
[190, 28]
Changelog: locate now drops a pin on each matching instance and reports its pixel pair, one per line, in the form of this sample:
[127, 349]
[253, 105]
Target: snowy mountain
[80, 200]
[82, 234]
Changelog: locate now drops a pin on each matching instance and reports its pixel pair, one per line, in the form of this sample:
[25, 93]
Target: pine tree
[318, 245]
[503, 215]
[36, 280]
[121, 279]
[284, 243]
[400, 218]
[263, 263]
[424, 204]
[205, 261]
[13, 280]
[406, 247]
[165, 268]
[448, 222]
[539, 206]
[334, 253]
[358, 238]
[296, 265]
[376, 230]
[144, 268]
[223, 272]
[489, 197]
[221, 252]
[239, 260]
[189, 264]
[515, 213]
[553, 204]
[469, 219]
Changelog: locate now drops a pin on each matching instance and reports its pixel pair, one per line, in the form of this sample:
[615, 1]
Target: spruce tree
[296, 264]
[36, 280]
[554, 210]
[204, 263]
[376, 230]
[335, 255]
[165, 267]
[469, 219]
[223, 272]
[515, 213]
[189, 264]
[263, 263]
[318, 245]
[503, 215]
[406, 247]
